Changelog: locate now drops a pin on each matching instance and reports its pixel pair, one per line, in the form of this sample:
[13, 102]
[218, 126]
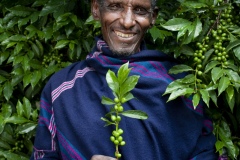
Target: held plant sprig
[121, 85]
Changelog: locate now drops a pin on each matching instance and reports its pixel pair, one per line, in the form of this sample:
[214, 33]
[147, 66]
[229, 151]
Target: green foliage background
[39, 37]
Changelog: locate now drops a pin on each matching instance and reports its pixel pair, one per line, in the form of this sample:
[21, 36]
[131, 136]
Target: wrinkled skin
[124, 23]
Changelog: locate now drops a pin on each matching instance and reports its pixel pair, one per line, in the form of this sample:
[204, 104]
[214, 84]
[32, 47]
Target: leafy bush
[205, 36]
[39, 37]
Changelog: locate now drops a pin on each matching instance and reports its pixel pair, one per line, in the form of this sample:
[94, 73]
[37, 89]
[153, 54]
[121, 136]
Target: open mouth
[124, 35]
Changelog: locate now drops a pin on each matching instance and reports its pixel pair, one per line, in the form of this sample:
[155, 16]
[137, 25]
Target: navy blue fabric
[70, 126]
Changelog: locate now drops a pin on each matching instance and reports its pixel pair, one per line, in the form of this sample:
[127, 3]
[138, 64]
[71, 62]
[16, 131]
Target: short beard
[122, 52]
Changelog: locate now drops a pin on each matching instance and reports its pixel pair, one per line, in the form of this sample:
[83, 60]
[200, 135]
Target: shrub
[39, 37]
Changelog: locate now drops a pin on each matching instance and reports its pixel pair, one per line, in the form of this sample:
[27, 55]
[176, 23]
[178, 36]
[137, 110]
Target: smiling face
[124, 23]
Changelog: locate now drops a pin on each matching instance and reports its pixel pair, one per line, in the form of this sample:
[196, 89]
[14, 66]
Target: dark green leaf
[2, 79]
[35, 115]
[13, 156]
[135, 114]
[107, 121]
[223, 84]
[25, 63]
[22, 22]
[176, 24]
[211, 65]
[26, 128]
[231, 102]
[123, 73]
[10, 44]
[112, 81]
[180, 68]
[207, 56]
[21, 10]
[230, 92]
[213, 96]
[219, 145]
[86, 45]
[27, 107]
[27, 79]
[193, 4]
[157, 33]
[107, 101]
[2, 123]
[19, 108]
[6, 110]
[128, 85]
[18, 47]
[4, 145]
[46, 72]
[182, 32]
[14, 38]
[188, 79]
[233, 44]
[36, 77]
[5, 136]
[9, 129]
[128, 96]
[74, 18]
[196, 100]
[173, 86]
[4, 56]
[225, 134]
[16, 120]
[35, 49]
[205, 96]
[234, 76]
[61, 44]
[49, 8]
[236, 51]
[7, 90]
[216, 74]
[197, 28]
[63, 17]
[180, 92]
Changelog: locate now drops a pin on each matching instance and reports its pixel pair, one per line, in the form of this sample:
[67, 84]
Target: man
[69, 122]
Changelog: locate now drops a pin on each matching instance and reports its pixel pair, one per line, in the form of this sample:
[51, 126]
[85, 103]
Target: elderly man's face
[124, 23]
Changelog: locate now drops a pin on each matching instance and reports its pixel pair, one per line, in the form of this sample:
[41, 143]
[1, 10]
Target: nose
[128, 18]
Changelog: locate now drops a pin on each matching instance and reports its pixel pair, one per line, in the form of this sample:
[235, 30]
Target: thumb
[101, 157]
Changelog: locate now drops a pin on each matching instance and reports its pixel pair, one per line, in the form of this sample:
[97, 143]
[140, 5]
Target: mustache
[121, 28]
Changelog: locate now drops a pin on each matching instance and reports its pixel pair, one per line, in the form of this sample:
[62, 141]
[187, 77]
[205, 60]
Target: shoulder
[67, 74]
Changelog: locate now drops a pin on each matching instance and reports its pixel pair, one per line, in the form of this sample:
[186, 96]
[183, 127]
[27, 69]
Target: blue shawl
[70, 127]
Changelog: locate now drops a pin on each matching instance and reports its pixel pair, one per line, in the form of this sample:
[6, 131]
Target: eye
[115, 7]
[141, 11]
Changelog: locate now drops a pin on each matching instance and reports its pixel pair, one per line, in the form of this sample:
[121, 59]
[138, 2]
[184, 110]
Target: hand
[101, 157]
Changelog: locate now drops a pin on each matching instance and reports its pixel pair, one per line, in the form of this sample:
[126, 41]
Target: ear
[95, 9]
[154, 16]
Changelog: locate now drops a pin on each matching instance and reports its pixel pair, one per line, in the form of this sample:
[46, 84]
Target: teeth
[120, 34]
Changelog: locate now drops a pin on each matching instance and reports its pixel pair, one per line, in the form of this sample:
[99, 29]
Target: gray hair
[153, 3]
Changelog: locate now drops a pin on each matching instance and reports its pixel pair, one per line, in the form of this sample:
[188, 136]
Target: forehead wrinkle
[133, 3]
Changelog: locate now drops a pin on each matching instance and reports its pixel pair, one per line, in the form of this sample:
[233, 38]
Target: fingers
[101, 157]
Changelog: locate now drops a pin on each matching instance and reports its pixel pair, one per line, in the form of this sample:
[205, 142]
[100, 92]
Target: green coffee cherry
[116, 142]
[113, 118]
[122, 143]
[118, 155]
[116, 100]
[120, 138]
[115, 133]
[123, 100]
[120, 108]
[120, 131]
[118, 118]
[112, 138]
